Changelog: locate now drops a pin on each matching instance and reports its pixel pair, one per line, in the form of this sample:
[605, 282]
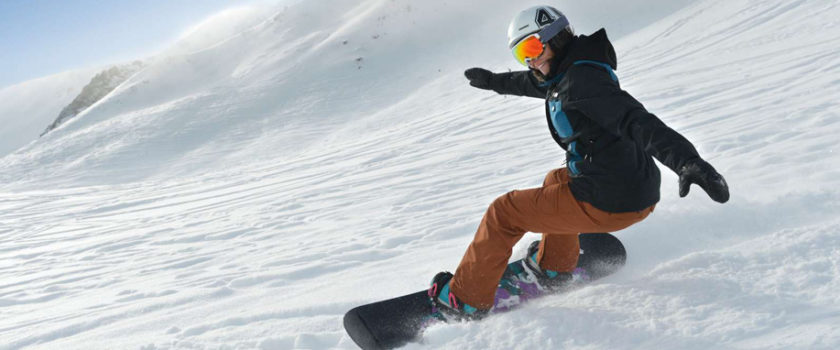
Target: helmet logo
[544, 18]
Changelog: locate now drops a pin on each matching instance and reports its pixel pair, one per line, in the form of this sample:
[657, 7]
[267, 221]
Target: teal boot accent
[549, 279]
[447, 298]
[449, 304]
[547, 272]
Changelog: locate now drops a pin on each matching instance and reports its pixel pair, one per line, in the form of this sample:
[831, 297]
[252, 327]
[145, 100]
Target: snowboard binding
[549, 280]
[450, 308]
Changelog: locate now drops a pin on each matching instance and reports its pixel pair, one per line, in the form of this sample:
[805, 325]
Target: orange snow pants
[551, 210]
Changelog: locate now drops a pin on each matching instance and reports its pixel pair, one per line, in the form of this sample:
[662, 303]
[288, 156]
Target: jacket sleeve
[519, 83]
[601, 99]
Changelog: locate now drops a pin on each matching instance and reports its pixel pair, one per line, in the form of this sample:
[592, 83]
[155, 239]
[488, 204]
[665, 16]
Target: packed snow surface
[250, 185]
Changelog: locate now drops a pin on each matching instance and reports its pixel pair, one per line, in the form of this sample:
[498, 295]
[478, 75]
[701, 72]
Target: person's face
[542, 62]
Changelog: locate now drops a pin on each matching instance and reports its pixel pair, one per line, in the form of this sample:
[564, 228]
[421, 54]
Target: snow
[253, 183]
[28, 107]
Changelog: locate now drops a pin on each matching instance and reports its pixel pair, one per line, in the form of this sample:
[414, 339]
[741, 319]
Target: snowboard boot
[525, 279]
[448, 304]
[548, 279]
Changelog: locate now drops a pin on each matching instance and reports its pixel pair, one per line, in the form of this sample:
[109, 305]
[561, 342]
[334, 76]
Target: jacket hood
[594, 47]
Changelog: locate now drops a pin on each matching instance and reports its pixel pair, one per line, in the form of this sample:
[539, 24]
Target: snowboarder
[610, 180]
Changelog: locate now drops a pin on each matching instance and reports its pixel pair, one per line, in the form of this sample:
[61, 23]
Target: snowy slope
[247, 193]
[27, 108]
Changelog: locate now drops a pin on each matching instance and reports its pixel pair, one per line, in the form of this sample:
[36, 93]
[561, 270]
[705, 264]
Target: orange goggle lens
[526, 49]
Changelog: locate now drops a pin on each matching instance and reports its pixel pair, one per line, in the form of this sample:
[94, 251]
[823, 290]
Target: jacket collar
[594, 47]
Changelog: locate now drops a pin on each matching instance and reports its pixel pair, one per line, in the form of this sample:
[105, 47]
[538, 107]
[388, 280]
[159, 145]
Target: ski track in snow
[202, 215]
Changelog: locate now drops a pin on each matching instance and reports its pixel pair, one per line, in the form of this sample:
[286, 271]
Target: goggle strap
[552, 29]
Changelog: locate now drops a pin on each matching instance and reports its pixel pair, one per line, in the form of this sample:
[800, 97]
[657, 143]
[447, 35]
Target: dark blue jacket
[610, 139]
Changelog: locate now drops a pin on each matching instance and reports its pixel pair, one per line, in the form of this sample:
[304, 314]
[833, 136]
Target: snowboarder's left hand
[479, 77]
[698, 171]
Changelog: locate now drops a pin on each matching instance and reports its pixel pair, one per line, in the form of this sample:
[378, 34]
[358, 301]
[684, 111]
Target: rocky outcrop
[101, 85]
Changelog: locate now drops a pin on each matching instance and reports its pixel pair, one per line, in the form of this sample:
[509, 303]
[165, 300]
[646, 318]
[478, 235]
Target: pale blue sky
[44, 37]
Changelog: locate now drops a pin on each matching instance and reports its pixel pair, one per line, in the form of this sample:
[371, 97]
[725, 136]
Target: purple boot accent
[530, 289]
[505, 301]
[501, 294]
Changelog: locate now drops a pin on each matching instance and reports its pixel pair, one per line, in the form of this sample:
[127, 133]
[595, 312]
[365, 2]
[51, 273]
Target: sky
[39, 38]
[44, 37]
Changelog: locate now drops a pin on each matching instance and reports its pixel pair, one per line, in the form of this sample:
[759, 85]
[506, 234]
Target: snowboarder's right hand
[479, 77]
[698, 171]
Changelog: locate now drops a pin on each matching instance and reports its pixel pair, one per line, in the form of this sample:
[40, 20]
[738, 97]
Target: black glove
[698, 171]
[479, 77]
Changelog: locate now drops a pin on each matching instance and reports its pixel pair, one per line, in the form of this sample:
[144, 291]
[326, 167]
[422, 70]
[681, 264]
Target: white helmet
[546, 20]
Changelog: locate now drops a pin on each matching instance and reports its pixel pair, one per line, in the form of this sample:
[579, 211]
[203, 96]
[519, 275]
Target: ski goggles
[532, 46]
[528, 48]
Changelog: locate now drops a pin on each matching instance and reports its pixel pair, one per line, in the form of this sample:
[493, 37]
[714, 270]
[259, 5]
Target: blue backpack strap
[554, 80]
[600, 64]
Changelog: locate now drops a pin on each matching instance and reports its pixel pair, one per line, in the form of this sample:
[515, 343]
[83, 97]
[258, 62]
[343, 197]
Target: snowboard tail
[378, 326]
[394, 322]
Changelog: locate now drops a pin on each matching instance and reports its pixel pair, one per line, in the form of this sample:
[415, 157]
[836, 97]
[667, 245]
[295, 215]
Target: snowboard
[395, 322]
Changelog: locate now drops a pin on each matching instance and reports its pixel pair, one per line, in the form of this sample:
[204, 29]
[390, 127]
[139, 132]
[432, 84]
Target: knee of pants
[499, 212]
[501, 202]
[555, 176]
[549, 178]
